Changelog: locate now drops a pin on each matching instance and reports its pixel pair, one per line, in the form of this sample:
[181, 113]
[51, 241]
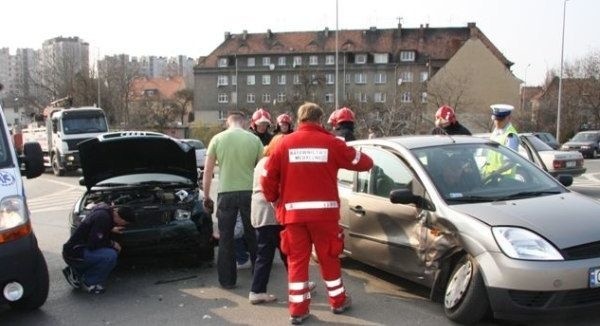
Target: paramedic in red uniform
[300, 179]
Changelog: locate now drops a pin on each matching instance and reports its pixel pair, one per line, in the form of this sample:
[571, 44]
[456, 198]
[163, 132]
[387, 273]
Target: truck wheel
[58, 171]
[465, 298]
[40, 292]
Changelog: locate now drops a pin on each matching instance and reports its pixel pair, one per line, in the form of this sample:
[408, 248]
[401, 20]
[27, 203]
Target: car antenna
[450, 136]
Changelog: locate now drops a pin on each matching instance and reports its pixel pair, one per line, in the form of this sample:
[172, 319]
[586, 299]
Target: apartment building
[376, 68]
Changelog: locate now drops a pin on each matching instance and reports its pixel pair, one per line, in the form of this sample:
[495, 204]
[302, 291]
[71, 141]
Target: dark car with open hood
[155, 175]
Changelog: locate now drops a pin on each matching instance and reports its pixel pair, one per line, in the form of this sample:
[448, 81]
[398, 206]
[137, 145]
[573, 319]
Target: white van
[24, 274]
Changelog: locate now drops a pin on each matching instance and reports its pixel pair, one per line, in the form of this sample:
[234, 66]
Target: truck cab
[67, 128]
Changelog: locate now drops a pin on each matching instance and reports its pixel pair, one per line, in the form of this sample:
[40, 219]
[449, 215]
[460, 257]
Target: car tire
[40, 292]
[465, 296]
[58, 171]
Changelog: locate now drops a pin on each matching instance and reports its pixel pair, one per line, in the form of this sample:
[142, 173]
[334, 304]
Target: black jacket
[94, 232]
[452, 129]
[265, 137]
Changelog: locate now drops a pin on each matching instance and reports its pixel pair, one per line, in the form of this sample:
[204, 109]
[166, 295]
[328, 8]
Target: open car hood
[121, 153]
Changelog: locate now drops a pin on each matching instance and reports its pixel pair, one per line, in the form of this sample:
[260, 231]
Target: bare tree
[182, 103]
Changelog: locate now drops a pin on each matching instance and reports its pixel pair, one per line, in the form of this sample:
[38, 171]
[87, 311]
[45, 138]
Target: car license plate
[571, 164]
[594, 277]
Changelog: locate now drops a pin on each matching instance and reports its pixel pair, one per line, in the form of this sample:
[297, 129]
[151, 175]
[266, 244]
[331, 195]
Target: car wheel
[56, 167]
[40, 292]
[465, 297]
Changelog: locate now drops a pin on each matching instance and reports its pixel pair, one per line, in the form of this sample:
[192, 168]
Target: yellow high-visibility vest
[494, 159]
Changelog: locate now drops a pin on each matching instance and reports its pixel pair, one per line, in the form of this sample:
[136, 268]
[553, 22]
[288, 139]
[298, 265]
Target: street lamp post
[562, 52]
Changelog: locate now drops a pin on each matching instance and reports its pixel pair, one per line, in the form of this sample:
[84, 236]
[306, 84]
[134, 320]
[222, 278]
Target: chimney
[227, 35]
[421, 33]
[269, 34]
[373, 28]
[244, 35]
[427, 25]
[399, 30]
[326, 32]
[473, 30]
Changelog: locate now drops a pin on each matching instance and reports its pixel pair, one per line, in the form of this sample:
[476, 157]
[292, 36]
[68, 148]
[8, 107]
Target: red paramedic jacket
[301, 174]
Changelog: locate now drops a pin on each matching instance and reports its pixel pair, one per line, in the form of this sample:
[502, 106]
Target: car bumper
[518, 288]
[575, 172]
[18, 264]
[175, 237]
[70, 161]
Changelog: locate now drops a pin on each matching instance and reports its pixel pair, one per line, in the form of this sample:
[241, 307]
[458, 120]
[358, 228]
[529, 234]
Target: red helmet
[260, 115]
[344, 114]
[284, 118]
[332, 119]
[446, 113]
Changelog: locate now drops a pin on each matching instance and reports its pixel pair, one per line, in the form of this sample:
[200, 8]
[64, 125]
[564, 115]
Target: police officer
[300, 179]
[504, 132]
[447, 124]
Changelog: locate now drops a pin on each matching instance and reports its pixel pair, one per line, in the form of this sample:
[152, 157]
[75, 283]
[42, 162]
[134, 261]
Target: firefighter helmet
[259, 116]
[344, 114]
[284, 118]
[446, 114]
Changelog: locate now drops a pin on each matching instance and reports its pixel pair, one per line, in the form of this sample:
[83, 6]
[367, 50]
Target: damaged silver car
[156, 176]
[484, 228]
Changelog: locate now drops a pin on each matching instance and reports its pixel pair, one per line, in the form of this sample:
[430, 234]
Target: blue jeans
[96, 265]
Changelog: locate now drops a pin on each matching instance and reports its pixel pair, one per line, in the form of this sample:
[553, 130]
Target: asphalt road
[170, 292]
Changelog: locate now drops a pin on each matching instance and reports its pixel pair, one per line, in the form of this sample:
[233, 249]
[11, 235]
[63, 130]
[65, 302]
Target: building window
[266, 98]
[222, 80]
[281, 80]
[266, 61]
[424, 97]
[222, 115]
[424, 76]
[223, 62]
[406, 98]
[360, 59]
[250, 80]
[297, 61]
[380, 78]
[266, 79]
[329, 98]
[330, 59]
[233, 97]
[281, 61]
[407, 55]
[406, 76]
[361, 97]
[250, 98]
[381, 58]
[330, 79]
[313, 60]
[280, 97]
[379, 97]
[223, 98]
[251, 62]
[360, 78]
[348, 78]
[296, 79]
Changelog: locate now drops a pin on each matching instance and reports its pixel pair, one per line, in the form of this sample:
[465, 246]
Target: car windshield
[84, 124]
[585, 136]
[5, 158]
[144, 178]
[467, 173]
[538, 144]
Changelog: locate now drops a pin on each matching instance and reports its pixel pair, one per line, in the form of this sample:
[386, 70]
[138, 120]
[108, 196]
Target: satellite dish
[272, 66]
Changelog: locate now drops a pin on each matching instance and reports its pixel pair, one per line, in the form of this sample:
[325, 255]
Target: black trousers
[268, 241]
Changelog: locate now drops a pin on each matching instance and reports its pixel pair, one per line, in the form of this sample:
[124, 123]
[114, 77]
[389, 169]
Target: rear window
[197, 144]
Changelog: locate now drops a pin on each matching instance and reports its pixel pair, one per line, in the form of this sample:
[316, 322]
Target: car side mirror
[565, 180]
[405, 196]
[81, 181]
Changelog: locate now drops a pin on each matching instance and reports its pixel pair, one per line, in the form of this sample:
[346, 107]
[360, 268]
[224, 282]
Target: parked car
[200, 150]
[24, 281]
[156, 175]
[586, 142]
[482, 226]
[547, 138]
[552, 161]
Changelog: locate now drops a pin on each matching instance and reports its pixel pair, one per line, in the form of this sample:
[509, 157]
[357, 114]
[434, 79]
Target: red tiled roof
[434, 43]
[166, 87]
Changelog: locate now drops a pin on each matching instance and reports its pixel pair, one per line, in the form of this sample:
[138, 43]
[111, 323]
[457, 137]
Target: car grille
[72, 143]
[152, 217]
[585, 251]
[560, 299]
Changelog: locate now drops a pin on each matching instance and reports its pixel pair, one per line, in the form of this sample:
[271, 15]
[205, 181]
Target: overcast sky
[528, 32]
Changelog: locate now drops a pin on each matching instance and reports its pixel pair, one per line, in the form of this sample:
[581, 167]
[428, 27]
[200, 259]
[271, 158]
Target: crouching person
[90, 253]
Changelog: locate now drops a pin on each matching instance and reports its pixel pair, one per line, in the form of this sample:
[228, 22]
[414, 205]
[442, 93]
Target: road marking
[58, 201]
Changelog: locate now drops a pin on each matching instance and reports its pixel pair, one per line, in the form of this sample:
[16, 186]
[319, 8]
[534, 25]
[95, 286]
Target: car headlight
[586, 147]
[182, 214]
[564, 148]
[519, 243]
[12, 212]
